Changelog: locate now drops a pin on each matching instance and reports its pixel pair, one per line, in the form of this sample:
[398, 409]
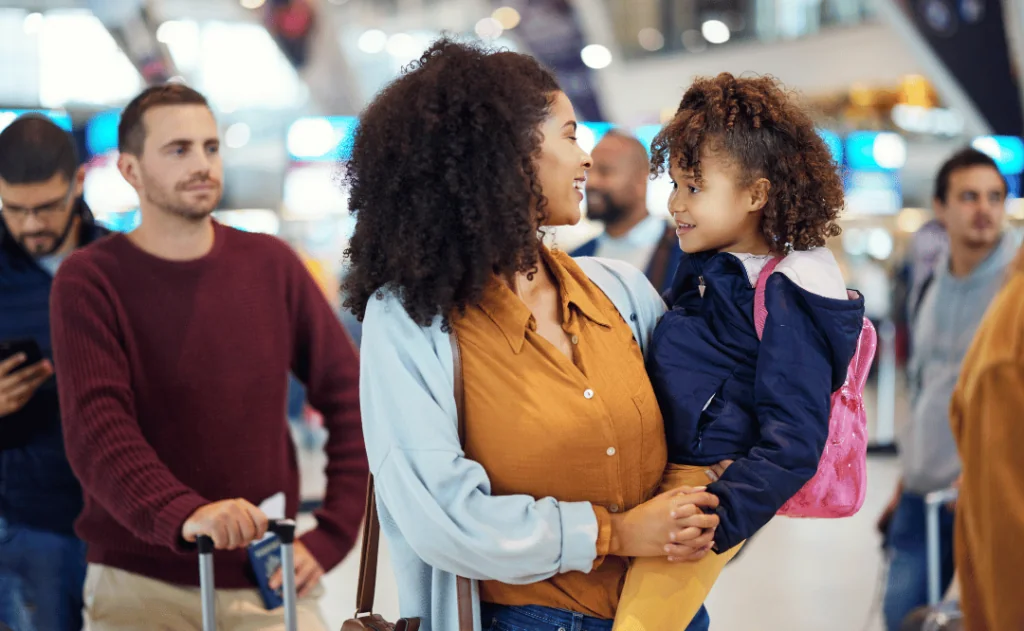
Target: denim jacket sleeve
[439, 499]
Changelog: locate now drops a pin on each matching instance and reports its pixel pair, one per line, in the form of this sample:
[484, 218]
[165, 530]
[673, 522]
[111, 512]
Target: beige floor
[797, 575]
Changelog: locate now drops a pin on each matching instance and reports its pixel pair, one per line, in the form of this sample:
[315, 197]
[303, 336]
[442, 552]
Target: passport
[265, 557]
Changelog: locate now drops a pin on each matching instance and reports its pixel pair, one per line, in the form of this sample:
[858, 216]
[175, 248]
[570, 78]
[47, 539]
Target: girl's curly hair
[754, 124]
[442, 180]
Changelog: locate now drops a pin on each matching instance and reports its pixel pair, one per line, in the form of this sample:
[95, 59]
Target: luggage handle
[285, 531]
[933, 503]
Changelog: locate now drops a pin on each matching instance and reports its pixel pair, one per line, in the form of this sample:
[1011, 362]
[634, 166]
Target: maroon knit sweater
[173, 382]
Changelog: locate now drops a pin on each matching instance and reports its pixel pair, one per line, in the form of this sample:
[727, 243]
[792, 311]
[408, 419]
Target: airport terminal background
[892, 84]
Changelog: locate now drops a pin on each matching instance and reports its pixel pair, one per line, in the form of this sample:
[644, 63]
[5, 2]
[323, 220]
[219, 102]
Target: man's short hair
[33, 149]
[131, 131]
[963, 159]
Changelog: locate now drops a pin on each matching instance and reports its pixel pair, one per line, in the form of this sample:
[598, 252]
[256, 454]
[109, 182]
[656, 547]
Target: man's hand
[232, 524]
[307, 572]
[886, 517]
[16, 388]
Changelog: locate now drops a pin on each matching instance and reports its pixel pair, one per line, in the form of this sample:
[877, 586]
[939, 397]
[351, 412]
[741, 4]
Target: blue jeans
[907, 586]
[41, 578]
[534, 618]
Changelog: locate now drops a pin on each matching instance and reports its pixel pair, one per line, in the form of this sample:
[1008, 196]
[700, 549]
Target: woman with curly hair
[754, 187]
[455, 169]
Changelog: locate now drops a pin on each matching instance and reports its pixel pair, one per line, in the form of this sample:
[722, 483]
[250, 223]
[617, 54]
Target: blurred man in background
[173, 345]
[970, 201]
[617, 198]
[43, 218]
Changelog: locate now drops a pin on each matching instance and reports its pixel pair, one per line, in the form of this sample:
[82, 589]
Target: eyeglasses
[43, 211]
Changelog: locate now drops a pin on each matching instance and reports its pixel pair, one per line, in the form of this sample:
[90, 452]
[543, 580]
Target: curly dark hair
[756, 125]
[443, 182]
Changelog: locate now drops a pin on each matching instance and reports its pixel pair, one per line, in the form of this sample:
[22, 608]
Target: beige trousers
[116, 600]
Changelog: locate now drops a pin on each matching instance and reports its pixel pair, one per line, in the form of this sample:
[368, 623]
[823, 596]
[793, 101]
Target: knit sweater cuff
[171, 518]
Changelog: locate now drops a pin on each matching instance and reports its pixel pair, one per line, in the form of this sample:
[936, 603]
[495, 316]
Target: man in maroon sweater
[173, 345]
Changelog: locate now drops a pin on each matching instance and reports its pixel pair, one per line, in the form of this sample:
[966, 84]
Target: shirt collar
[513, 318]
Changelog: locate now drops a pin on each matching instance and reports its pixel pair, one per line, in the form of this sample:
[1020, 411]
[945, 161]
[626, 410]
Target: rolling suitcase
[285, 531]
[939, 615]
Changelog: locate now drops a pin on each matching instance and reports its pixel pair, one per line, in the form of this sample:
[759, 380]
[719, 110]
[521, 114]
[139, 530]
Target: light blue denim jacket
[435, 506]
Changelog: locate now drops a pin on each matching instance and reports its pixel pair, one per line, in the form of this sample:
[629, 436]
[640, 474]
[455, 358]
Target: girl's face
[717, 213]
[562, 165]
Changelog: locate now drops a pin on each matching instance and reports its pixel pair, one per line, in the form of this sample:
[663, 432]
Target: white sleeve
[439, 499]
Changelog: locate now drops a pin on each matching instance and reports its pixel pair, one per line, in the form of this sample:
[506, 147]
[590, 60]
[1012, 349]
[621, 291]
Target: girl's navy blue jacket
[764, 404]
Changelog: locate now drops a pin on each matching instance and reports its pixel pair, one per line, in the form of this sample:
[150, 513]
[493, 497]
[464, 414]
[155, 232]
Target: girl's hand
[672, 524]
[716, 471]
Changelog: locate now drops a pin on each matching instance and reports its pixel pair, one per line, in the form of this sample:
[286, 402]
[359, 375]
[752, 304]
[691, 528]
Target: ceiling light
[716, 31]
[596, 56]
[373, 41]
[890, 151]
[489, 29]
[508, 17]
[694, 42]
[651, 39]
[252, 4]
[403, 46]
[311, 137]
[33, 22]
[237, 135]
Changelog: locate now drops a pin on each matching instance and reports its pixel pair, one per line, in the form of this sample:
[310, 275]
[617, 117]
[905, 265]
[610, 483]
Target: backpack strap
[760, 310]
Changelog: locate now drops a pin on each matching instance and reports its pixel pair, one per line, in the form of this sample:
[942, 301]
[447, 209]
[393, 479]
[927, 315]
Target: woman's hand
[671, 525]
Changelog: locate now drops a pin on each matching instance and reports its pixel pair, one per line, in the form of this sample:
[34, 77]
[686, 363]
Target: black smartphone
[27, 346]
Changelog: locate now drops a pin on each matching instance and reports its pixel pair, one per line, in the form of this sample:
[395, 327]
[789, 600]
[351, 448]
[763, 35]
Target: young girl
[748, 418]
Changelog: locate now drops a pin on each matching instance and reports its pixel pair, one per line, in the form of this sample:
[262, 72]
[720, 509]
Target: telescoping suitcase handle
[285, 531]
[933, 503]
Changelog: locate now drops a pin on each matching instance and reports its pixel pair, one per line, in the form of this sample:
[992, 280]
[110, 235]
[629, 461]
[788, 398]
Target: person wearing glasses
[42, 219]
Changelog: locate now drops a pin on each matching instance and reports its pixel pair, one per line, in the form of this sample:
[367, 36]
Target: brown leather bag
[365, 619]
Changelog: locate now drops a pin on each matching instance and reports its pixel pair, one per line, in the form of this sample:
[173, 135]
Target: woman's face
[562, 165]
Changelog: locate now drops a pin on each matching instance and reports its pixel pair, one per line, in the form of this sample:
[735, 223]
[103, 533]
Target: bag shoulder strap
[760, 310]
[367, 586]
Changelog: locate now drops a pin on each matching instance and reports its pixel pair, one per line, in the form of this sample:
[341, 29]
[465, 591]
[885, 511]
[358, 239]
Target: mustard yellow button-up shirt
[585, 429]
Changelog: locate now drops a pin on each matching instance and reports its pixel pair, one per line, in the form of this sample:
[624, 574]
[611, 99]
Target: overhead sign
[875, 151]
[322, 138]
[101, 132]
[1007, 151]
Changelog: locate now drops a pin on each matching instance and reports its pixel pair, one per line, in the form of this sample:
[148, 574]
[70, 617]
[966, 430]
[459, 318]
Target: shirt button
[633, 317]
[588, 394]
[614, 508]
[611, 451]
[575, 339]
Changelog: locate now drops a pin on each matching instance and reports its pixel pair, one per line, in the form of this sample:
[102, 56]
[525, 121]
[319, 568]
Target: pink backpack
[838, 488]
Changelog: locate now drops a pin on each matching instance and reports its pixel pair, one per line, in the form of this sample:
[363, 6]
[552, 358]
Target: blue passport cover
[265, 556]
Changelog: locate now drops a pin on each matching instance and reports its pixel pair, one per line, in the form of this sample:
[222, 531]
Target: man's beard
[172, 204]
[610, 211]
[57, 238]
[37, 253]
